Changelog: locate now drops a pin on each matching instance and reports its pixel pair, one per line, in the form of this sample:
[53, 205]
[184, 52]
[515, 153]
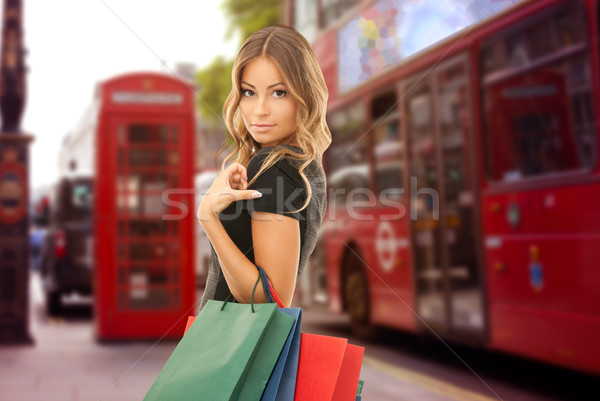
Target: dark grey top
[283, 191]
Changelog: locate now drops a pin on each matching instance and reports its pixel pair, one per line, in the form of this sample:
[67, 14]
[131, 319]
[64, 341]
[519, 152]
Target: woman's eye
[280, 93]
[247, 92]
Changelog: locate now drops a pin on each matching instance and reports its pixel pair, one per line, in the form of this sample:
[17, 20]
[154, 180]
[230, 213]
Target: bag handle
[266, 285]
[251, 299]
[272, 295]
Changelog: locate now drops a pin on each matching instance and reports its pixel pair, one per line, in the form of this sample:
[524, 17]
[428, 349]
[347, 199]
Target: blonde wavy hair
[297, 63]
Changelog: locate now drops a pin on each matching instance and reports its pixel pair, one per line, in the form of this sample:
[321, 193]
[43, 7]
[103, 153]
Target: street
[66, 363]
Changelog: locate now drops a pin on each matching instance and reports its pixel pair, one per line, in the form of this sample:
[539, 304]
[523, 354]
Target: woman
[265, 208]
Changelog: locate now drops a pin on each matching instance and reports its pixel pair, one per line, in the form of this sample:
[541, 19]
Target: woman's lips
[262, 127]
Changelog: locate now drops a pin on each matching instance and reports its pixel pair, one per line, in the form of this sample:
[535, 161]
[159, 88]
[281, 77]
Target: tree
[214, 81]
[248, 16]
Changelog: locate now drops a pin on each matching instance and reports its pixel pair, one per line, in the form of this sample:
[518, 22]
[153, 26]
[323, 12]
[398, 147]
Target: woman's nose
[262, 107]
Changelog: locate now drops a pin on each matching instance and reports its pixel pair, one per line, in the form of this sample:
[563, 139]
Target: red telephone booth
[144, 217]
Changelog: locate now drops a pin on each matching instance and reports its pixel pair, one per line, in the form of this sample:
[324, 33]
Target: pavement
[67, 364]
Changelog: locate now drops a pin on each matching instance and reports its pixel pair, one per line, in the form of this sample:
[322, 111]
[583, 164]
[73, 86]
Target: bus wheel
[356, 297]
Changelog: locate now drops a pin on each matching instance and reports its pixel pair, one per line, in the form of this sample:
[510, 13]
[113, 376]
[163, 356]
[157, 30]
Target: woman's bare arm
[276, 241]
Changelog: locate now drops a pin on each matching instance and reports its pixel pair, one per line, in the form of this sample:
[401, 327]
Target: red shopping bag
[328, 369]
[347, 382]
[189, 323]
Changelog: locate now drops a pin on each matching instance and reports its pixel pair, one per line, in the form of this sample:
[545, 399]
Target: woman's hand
[229, 186]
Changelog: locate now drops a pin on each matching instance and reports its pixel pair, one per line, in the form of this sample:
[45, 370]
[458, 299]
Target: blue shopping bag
[282, 383]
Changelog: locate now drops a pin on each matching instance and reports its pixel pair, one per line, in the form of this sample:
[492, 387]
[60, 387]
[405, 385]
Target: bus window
[426, 239]
[388, 159]
[387, 146]
[538, 99]
[347, 179]
[346, 157]
[454, 120]
[423, 162]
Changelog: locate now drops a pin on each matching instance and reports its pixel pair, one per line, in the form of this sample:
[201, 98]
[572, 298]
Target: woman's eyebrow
[268, 87]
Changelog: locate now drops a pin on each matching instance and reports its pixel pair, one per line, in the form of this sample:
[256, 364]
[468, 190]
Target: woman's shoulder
[286, 163]
[287, 166]
[263, 153]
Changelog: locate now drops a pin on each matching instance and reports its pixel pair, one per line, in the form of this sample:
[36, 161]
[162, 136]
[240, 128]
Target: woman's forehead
[262, 71]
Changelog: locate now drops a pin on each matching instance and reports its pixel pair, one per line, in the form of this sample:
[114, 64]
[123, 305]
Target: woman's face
[268, 110]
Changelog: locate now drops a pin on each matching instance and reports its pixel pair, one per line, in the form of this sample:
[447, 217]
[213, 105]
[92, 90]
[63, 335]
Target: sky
[73, 44]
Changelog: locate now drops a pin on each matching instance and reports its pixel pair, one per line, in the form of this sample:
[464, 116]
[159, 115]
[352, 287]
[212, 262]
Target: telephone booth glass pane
[148, 257]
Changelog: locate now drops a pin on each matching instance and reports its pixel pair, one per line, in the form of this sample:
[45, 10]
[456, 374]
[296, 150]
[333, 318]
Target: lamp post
[14, 183]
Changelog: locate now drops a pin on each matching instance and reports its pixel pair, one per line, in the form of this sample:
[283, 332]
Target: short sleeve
[283, 190]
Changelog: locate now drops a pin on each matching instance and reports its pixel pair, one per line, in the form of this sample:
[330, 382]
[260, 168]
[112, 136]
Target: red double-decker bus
[463, 175]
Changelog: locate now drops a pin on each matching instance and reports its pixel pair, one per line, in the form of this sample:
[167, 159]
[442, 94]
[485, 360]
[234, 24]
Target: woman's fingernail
[256, 195]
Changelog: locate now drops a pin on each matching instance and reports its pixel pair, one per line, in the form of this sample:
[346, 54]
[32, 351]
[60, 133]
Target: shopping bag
[282, 383]
[318, 366]
[269, 352]
[359, 390]
[328, 369]
[330, 366]
[216, 355]
[348, 379]
[189, 323]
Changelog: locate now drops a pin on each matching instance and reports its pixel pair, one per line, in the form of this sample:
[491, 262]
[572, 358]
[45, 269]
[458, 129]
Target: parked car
[67, 251]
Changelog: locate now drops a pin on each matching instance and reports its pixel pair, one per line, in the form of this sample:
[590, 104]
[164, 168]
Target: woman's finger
[237, 168]
[236, 177]
[248, 194]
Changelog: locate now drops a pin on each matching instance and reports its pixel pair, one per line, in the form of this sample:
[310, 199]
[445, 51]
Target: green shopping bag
[268, 354]
[225, 343]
